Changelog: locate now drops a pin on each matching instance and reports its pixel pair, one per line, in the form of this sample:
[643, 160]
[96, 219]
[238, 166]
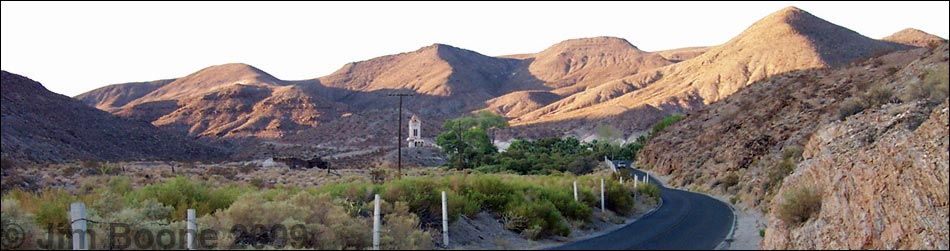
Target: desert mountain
[787, 40]
[231, 100]
[577, 64]
[444, 79]
[42, 126]
[238, 100]
[209, 79]
[435, 70]
[913, 37]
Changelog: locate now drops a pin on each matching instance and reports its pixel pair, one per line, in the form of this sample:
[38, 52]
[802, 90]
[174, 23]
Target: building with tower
[415, 132]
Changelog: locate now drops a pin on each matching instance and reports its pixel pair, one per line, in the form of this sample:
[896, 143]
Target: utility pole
[458, 147]
[399, 135]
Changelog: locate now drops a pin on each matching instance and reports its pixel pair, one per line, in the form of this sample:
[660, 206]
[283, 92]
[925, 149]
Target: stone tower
[415, 132]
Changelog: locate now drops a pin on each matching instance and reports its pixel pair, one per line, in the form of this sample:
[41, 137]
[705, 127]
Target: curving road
[685, 221]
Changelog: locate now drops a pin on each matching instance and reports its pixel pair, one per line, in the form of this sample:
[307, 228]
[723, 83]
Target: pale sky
[75, 47]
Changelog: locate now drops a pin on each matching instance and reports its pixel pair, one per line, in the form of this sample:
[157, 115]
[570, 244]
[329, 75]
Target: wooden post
[445, 221]
[191, 229]
[575, 190]
[603, 200]
[621, 180]
[399, 135]
[376, 222]
[77, 217]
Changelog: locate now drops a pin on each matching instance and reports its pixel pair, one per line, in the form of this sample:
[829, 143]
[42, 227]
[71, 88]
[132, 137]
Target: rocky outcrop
[882, 177]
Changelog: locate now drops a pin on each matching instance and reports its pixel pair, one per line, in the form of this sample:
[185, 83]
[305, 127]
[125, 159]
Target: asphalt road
[685, 221]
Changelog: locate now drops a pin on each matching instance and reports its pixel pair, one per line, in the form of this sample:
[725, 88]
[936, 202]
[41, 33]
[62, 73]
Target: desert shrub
[730, 180]
[462, 199]
[402, 230]
[563, 200]
[50, 208]
[421, 195]
[378, 175]
[331, 226]
[650, 190]
[496, 194]
[735, 200]
[666, 122]
[90, 164]
[892, 70]
[182, 193]
[933, 86]
[188, 165]
[536, 219]
[94, 167]
[257, 182]
[152, 210]
[11, 213]
[149, 216]
[778, 173]
[352, 195]
[800, 204]
[107, 202]
[619, 199]
[851, 106]
[247, 168]
[793, 152]
[254, 210]
[877, 62]
[222, 171]
[879, 95]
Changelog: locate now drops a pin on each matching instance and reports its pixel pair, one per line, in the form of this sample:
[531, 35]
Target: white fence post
[445, 221]
[191, 229]
[376, 222]
[77, 217]
[575, 190]
[621, 180]
[636, 180]
[603, 200]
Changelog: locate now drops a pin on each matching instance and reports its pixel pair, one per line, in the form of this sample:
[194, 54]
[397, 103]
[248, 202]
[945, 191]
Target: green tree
[466, 140]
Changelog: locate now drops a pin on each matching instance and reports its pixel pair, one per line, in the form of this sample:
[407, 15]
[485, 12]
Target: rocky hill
[223, 101]
[41, 126]
[575, 65]
[744, 146]
[788, 40]
[914, 37]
